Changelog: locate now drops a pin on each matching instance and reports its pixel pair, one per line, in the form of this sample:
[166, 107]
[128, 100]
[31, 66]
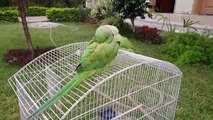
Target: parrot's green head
[105, 33]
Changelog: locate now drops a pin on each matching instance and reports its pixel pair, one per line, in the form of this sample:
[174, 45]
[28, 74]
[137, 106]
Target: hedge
[62, 14]
[36, 11]
[9, 16]
[31, 11]
[7, 8]
[53, 14]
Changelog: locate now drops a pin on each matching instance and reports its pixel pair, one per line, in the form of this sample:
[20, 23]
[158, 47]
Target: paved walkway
[141, 22]
[35, 19]
[178, 26]
[206, 22]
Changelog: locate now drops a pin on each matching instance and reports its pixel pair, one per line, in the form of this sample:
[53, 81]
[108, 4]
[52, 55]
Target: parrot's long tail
[78, 78]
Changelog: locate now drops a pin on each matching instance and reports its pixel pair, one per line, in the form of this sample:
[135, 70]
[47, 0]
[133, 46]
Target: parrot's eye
[119, 42]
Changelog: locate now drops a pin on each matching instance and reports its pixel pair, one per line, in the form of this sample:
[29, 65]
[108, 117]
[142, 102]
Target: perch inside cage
[134, 87]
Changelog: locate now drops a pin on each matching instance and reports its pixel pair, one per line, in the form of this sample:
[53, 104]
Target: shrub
[148, 35]
[189, 47]
[31, 11]
[9, 16]
[62, 14]
[36, 11]
[102, 10]
[83, 14]
[7, 8]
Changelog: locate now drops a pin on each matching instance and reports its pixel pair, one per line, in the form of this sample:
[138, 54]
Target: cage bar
[134, 87]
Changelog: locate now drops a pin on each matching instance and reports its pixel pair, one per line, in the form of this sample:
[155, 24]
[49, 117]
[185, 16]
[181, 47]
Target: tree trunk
[133, 24]
[22, 10]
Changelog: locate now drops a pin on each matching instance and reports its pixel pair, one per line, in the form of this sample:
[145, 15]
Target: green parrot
[100, 54]
[125, 44]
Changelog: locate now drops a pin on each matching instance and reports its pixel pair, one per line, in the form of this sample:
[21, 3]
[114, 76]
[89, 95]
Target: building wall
[184, 6]
[91, 3]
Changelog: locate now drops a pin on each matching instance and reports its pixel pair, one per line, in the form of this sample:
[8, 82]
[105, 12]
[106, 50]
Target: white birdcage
[135, 87]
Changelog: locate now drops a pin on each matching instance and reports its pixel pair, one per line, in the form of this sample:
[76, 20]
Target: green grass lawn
[196, 95]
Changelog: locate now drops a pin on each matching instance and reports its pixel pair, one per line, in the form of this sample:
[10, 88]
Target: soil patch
[21, 57]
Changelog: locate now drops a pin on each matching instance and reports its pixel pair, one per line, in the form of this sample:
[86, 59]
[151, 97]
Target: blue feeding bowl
[107, 114]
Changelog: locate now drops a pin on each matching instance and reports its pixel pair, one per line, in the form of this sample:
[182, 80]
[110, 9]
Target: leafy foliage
[170, 28]
[68, 14]
[9, 16]
[62, 14]
[7, 8]
[148, 35]
[103, 9]
[188, 24]
[71, 3]
[58, 3]
[131, 8]
[48, 3]
[189, 47]
[118, 22]
[36, 11]
[31, 11]
[55, 14]
[83, 14]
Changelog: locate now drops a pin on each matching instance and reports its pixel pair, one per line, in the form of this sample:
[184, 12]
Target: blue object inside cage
[107, 113]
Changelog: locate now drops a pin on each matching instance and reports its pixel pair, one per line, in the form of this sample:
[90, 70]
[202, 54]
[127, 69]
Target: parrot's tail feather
[69, 86]
[55, 97]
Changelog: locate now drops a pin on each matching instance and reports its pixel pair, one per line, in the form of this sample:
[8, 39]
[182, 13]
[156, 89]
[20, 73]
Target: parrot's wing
[87, 53]
[90, 50]
[97, 56]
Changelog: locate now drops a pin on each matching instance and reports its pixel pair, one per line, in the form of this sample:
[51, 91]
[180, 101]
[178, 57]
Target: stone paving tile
[35, 19]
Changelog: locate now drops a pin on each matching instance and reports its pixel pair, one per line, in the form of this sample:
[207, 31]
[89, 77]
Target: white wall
[183, 6]
[91, 3]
